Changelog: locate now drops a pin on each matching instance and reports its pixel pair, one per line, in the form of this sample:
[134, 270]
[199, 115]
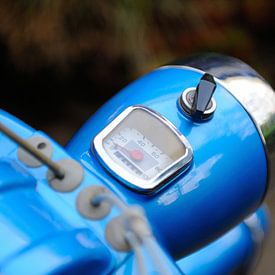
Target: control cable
[136, 231]
[57, 170]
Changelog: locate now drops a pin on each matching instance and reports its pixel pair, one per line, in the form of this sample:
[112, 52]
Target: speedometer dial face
[136, 153]
[142, 149]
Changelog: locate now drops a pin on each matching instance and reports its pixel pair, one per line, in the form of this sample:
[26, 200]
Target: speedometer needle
[135, 154]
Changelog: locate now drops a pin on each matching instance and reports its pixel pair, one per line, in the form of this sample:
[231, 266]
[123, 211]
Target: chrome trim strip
[247, 85]
[222, 83]
[269, 150]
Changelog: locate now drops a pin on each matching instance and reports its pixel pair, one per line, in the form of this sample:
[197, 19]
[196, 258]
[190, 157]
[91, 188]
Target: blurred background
[60, 60]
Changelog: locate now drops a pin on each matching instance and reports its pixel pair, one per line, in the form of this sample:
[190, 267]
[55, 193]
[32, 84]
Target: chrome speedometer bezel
[130, 180]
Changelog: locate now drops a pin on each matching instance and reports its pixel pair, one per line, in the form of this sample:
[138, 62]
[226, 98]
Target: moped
[167, 177]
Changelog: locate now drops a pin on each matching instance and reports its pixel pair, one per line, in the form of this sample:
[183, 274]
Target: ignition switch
[199, 102]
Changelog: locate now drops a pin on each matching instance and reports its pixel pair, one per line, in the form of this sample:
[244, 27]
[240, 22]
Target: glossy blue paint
[227, 180]
[225, 183]
[235, 251]
[40, 230]
[75, 252]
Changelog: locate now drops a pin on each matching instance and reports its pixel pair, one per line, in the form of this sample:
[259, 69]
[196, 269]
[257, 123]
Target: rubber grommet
[42, 144]
[87, 209]
[115, 234]
[72, 179]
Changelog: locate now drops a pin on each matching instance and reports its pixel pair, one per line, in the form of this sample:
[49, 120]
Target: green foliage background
[134, 36]
[72, 55]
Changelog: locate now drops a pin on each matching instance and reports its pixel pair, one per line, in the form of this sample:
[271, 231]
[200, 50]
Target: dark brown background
[60, 60]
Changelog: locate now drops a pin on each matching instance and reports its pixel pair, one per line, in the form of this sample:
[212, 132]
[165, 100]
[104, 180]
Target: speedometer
[137, 153]
[142, 149]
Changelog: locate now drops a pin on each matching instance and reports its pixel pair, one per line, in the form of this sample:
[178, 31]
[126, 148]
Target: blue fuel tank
[203, 199]
[227, 179]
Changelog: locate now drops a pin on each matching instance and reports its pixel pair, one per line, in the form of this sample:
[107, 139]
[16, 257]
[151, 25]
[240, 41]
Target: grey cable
[53, 166]
[150, 244]
[134, 241]
[111, 199]
[135, 245]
